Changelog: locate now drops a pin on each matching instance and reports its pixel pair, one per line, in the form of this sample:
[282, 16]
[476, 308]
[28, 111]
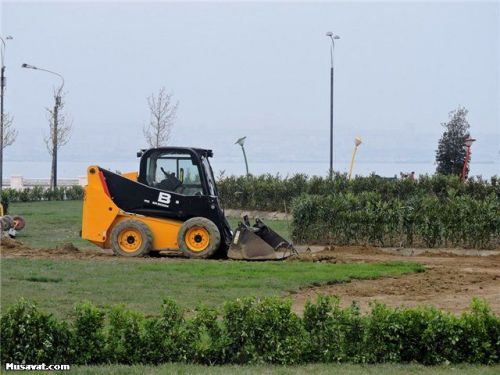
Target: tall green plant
[368, 219]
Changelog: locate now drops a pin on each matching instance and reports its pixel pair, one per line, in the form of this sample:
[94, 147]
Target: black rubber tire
[7, 222]
[214, 238]
[19, 222]
[146, 237]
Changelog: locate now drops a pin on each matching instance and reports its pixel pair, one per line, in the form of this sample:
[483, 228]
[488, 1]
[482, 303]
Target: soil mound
[10, 243]
[67, 248]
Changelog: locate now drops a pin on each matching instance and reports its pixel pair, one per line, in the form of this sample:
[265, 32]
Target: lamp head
[28, 66]
[241, 141]
[357, 141]
[9, 37]
[332, 35]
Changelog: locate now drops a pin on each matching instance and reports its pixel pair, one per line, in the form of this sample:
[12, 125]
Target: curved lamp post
[465, 170]
[59, 91]
[357, 142]
[2, 92]
[241, 142]
[57, 104]
[332, 37]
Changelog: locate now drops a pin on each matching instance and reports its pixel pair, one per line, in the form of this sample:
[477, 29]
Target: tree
[450, 154]
[9, 133]
[60, 126]
[8, 136]
[162, 118]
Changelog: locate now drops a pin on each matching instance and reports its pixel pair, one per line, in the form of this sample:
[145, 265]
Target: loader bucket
[258, 242]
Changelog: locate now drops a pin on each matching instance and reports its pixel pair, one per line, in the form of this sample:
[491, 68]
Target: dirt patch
[265, 215]
[9, 243]
[449, 282]
[68, 248]
[325, 252]
[11, 248]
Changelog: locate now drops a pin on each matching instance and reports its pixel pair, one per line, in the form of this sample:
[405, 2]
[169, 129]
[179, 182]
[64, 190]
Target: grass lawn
[316, 369]
[141, 284]
[49, 224]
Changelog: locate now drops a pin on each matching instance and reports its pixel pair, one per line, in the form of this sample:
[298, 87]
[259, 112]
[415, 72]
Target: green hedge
[368, 219]
[251, 331]
[275, 193]
[40, 193]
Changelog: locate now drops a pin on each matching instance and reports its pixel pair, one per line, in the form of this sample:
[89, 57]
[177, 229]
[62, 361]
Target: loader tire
[131, 238]
[19, 222]
[199, 238]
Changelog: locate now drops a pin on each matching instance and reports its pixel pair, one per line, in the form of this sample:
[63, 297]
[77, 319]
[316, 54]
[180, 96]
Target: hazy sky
[256, 69]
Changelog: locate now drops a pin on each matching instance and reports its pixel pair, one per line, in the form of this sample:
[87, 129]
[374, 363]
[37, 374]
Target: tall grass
[423, 220]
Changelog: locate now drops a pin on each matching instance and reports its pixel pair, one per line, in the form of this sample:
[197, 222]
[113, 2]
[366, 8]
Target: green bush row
[426, 221]
[40, 193]
[251, 331]
[275, 193]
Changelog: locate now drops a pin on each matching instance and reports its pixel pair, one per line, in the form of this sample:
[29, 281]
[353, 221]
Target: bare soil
[11, 248]
[449, 282]
[266, 215]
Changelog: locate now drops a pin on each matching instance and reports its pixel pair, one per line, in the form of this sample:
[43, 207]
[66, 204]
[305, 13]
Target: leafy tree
[450, 154]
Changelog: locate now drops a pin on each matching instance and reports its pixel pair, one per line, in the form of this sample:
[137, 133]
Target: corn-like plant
[368, 219]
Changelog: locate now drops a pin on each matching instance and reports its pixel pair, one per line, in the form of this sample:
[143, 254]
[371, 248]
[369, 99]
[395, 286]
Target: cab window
[212, 190]
[174, 172]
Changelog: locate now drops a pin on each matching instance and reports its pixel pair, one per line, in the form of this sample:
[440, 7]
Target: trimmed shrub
[252, 331]
[88, 340]
[30, 336]
[40, 193]
[125, 336]
[209, 346]
[480, 341]
[167, 339]
[263, 331]
[276, 193]
[335, 334]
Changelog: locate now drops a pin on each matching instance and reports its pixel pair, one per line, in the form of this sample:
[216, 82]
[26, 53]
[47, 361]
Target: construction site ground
[450, 281]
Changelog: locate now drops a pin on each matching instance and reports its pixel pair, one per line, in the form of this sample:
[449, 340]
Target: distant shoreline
[75, 169]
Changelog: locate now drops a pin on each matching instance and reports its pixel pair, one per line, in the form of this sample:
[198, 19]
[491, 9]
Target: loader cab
[181, 170]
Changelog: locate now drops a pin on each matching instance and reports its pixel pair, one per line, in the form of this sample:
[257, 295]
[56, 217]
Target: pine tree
[450, 154]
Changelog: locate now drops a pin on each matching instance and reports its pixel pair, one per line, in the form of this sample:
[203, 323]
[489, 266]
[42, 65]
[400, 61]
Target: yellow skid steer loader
[171, 204]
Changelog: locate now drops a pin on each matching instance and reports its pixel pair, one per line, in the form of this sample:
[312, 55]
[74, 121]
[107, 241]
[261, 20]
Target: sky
[259, 70]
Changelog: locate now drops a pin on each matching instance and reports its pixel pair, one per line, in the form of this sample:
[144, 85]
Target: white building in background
[20, 183]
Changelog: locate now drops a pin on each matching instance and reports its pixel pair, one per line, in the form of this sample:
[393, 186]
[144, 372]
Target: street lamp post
[57, 104]
[357, 142]
[332, 37]
[2, 92]
[241, 142]
[465, 170]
